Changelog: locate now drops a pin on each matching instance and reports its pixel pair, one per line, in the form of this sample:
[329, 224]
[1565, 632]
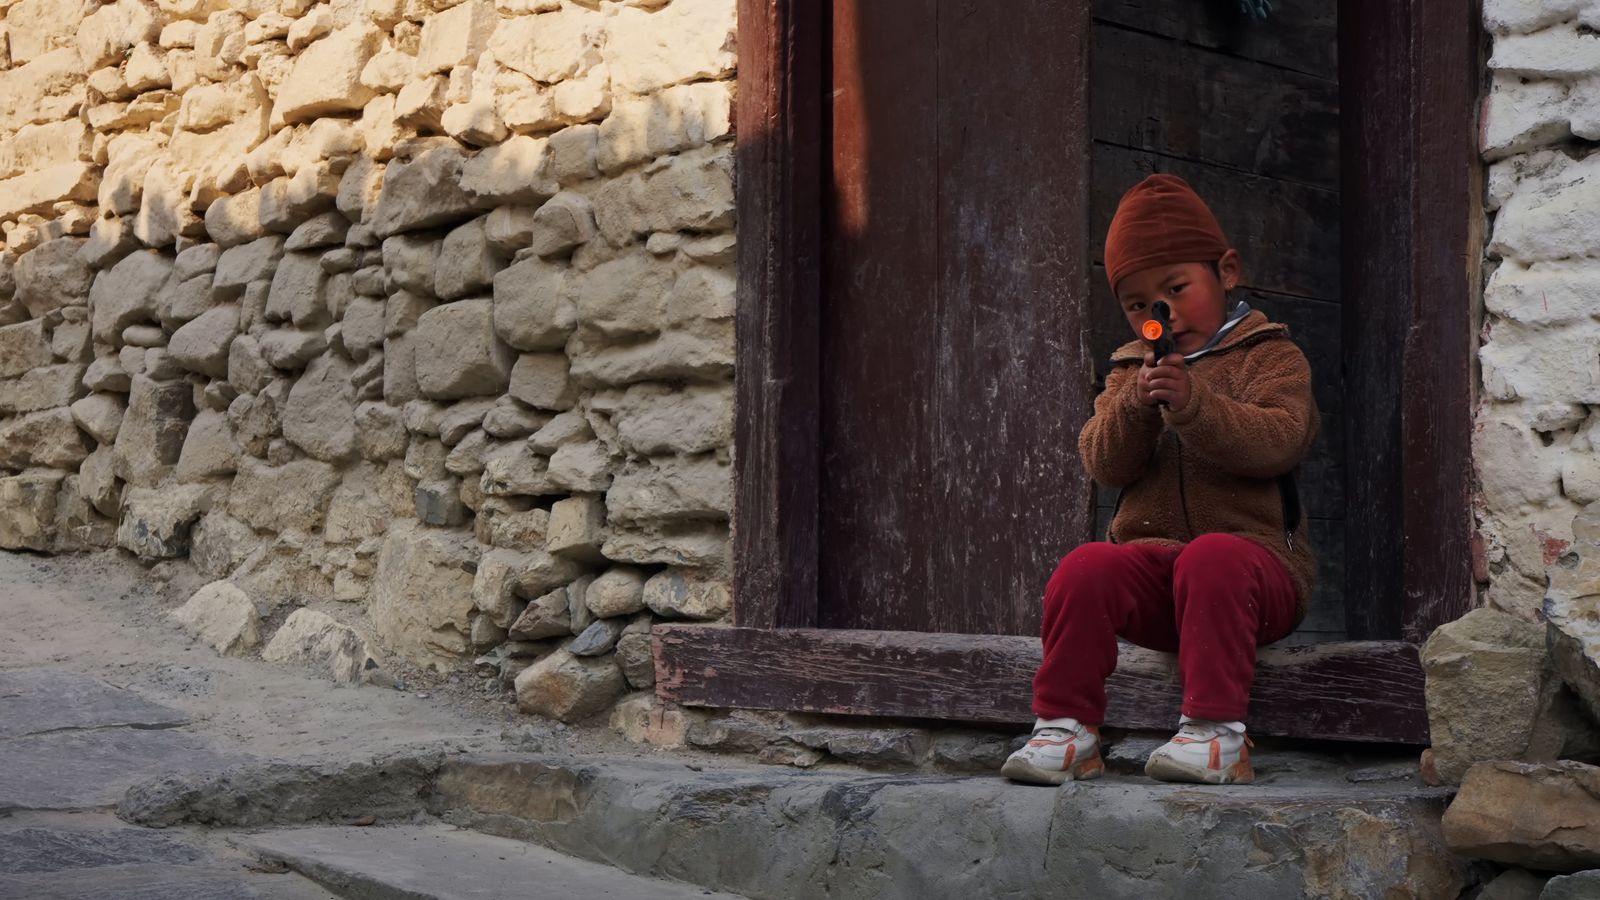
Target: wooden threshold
[1350, 691]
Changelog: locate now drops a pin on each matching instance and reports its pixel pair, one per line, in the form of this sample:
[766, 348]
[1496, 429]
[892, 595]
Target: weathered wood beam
[1357, 691]
[779, 120]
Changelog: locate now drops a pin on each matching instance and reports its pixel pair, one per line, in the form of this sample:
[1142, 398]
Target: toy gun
[1157, 330]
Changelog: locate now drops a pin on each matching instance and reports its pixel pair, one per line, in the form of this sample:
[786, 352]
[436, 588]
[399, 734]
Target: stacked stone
[1541, 380]
[417, 304]
[1513, 706]
[1538, 429]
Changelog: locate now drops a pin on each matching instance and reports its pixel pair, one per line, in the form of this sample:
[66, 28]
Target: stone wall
[1520, 678]
[1539, 419]
[422, 305]
[1539, 422]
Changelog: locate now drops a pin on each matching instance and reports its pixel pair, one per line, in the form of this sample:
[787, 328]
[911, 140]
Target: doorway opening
[923, 185]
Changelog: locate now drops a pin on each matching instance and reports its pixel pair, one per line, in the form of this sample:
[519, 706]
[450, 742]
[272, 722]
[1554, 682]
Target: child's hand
[1164, 382]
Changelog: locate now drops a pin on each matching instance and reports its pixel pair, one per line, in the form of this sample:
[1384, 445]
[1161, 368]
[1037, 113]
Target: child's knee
[1088, 565]
[1215, 553]
[1089, 559]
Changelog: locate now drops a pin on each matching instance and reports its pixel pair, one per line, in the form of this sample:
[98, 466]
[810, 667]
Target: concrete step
[438, 862]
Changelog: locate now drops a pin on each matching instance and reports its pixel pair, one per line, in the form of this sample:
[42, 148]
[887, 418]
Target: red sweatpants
[1213, 601]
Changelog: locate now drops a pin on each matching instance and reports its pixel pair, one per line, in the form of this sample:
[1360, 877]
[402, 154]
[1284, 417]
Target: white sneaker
[1204, 752]
[1061, 750]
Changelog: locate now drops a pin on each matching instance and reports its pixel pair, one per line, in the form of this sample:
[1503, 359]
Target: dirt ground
[105, 615]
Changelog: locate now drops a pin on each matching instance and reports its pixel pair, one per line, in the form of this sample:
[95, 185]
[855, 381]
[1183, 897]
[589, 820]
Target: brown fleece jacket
[1251, 418]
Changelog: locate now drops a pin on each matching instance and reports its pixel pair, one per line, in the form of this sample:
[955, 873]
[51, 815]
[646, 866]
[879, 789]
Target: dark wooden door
[1248, 112]
[954, 371]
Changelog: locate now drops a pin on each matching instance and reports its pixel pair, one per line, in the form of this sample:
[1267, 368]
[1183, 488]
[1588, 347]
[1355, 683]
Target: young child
[1203, 559]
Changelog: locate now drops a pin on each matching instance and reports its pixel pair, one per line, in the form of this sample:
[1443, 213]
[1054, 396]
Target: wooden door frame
[1410, 82]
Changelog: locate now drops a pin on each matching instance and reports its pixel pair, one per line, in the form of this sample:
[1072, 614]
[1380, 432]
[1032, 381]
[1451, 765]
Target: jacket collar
[1255, 327]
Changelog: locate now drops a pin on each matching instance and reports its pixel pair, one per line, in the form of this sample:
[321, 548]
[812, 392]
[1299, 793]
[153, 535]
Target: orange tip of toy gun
[1153, 330]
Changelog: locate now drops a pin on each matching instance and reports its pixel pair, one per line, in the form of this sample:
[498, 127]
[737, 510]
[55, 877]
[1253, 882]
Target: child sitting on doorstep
[1204, 558]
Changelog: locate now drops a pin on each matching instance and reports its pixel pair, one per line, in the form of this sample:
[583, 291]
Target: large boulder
[532, 308]
[222, 617]
[543, 381]
[298, 291]
[79, 526]
[634, 654]
[655, 419]
[421, 595]
[248, 261]
[550, 47]
[156, 521]
[49, 438]
[624, 297]
[546, 616]
[128, 293]
[618, 592]
[46, 387]
[1539, 816]
[320, 417]
[28, 510]
[1578, 886]
[458, 354]
[366, 501]
[671, 490]
[467, 262]
[302, 205]
[570, 688]
[23, 347]
[202, 345]
[282, 498]
[506, 578]
[327, 76]
[53, 275]
[316, 639]
[209, 449]
[577, 528]
[688, 41]
[454, 37]
[565, 221]
[97, 481]
[100, 415]
[677, 595]
[150, 441]
[219, 543]
[515, 171]
[1490, 691]
[291, 350]
[409, 263]
[422, 192]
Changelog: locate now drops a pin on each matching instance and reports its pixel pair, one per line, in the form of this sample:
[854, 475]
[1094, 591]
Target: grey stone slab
[797, 835]
[1581, 886]
[159, 882]
[37, 701]
[442, 863]
[92, 769]
[26, 850]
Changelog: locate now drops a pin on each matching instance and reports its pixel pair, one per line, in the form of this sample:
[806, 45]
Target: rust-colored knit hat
[1161, 221]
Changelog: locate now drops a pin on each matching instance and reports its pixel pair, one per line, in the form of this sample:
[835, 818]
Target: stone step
[775, 833]
[781, 834]
[439, 862]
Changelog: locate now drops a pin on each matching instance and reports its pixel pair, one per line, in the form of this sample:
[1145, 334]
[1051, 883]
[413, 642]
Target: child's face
[1196, 293]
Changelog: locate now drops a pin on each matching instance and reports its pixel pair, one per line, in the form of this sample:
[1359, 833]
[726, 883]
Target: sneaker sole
[1164, 768]
[1027, 773]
